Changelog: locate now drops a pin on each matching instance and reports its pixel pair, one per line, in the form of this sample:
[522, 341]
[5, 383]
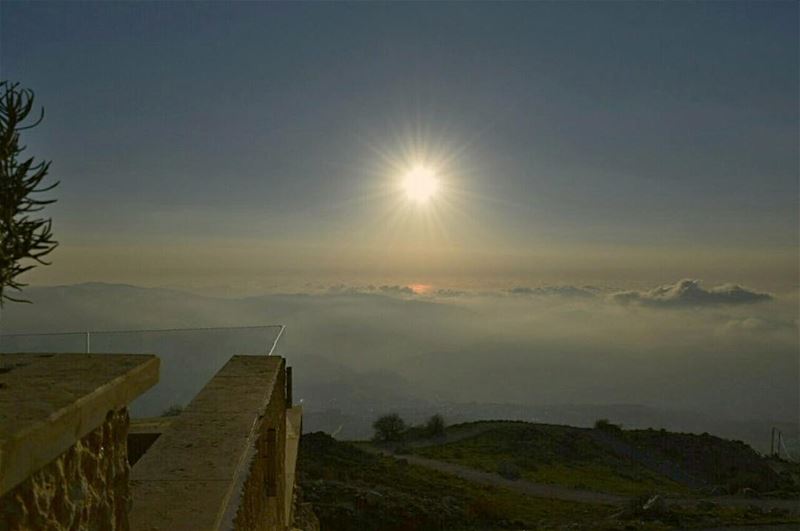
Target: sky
[253, 146]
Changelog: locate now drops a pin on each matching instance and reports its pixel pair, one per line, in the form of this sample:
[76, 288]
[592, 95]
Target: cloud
[446, 292]
[751, 324]
[396, 290]
[559, 291]
[344, 289]
[687, 293]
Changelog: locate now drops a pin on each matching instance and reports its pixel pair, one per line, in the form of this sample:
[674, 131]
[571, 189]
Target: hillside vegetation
[351, 489]
[352, 486]
[559, 455]
[607, 458]
[727, 466]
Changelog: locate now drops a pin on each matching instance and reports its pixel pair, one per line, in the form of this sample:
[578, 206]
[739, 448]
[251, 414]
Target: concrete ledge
[195, 475]
[50, 401]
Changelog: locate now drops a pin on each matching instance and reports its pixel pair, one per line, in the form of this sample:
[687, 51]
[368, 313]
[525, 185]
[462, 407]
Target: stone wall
[261, 506]
[84, 488]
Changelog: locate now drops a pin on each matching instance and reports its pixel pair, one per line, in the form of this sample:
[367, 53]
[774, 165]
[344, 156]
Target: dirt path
[557, 492]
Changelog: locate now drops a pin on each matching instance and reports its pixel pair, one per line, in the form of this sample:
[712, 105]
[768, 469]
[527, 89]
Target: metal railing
[87, 335]
[189, 356]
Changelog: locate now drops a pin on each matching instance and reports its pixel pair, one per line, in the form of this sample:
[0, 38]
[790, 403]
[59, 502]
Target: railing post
[88, 342]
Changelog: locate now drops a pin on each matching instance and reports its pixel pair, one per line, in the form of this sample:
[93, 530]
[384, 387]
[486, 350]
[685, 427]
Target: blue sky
[652, 129]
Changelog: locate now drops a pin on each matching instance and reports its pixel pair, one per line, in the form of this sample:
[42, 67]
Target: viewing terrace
[83, 443]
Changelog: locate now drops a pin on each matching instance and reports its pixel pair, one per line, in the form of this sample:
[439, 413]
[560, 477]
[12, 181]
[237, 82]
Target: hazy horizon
[685, 346]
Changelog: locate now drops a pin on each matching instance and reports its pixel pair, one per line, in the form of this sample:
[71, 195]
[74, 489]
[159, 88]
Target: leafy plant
[607, 426]
[389, 428]
[25, 238]
[434, 427]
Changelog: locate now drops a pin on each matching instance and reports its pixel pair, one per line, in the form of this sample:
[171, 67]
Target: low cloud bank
[446, 292]
[688, 292]
[542, 345]
[558, 291]
[343, 289]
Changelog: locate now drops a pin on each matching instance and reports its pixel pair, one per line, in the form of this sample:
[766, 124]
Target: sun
[420, 184]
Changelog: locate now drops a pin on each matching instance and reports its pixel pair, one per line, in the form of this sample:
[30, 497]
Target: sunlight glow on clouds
[688, 292]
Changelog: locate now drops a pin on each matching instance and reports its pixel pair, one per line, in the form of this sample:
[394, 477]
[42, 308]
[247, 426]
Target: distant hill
[353, 421]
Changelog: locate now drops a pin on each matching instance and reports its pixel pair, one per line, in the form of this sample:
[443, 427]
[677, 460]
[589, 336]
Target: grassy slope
[350, 489]
[560, 455]
[353, 490]
[582, 458]
[717, 461]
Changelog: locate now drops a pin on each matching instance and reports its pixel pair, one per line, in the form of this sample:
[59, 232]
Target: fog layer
[725, 351]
